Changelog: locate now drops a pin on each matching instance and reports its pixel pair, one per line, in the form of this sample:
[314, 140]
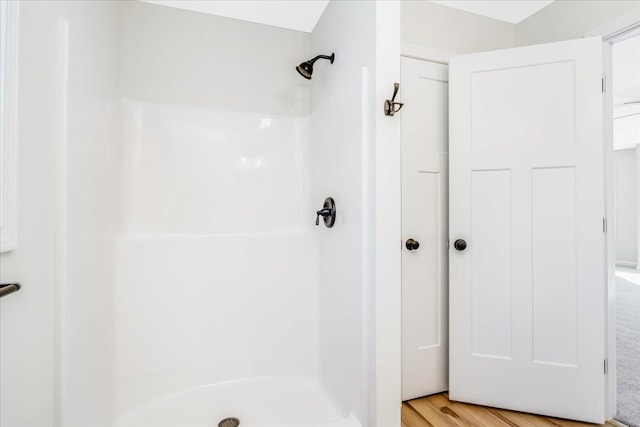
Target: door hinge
[603, 86]
[605, 366]
[604, 225]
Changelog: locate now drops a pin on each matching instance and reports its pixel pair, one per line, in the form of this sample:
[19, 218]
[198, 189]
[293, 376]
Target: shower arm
[329, 57]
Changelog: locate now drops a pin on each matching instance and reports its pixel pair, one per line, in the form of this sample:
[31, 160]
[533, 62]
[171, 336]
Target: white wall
[626, 131]
[27, 317]
[385, 344]
[451, 30]
[570, 19]
[454, 31]
[625, 56]
[216, 84]
[204, 61]
[626, 207]
[66, 90]
[342, 152]
[637, 207]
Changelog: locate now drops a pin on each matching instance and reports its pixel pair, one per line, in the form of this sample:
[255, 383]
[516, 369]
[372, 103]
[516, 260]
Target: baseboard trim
[626, 264]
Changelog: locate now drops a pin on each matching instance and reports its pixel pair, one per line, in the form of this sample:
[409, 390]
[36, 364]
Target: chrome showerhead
[306, 68]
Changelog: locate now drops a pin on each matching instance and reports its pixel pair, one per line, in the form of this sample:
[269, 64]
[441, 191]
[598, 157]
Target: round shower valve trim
[328, 213]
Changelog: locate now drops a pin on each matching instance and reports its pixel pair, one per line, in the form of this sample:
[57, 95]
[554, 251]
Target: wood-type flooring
[438, 411]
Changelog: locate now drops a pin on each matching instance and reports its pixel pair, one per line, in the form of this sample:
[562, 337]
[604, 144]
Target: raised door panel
[527, 192]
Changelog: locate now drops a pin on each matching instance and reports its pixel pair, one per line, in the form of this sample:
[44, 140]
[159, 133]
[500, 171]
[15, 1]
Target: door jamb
[623, 27]
[618, 30]
[425, 54]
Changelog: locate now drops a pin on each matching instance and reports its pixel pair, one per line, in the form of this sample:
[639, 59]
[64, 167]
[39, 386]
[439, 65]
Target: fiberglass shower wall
[342, 154]
[216, 262]
[207, 269]
[84, 41]
[190, 257]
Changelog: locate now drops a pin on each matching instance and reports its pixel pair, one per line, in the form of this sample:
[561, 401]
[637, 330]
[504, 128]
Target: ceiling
[513, 11]
[294, 15]
[626, 91]
[303, 15]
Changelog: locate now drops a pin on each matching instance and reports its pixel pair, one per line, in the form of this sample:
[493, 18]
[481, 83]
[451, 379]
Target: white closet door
[527, 196]
[424, 219]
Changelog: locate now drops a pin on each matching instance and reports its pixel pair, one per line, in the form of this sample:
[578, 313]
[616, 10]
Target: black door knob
[412, 245]
[460, 245]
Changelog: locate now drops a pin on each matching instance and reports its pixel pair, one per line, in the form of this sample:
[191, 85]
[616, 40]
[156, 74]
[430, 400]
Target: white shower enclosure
[191, 282]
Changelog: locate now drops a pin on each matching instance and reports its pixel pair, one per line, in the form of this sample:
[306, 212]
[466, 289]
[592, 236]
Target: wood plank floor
[438, 410]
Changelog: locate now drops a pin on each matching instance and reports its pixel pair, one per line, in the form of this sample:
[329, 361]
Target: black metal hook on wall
[390, 106]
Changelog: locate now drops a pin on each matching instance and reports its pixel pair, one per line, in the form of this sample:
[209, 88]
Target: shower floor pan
[256, 402]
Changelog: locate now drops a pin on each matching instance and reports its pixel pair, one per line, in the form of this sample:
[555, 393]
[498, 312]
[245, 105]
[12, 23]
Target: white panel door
[527, 195]
[424, 219]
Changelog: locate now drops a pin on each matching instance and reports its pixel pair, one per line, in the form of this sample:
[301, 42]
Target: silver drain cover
[229, 422]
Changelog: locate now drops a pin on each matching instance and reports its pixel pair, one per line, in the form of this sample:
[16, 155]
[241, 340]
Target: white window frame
[9, 122]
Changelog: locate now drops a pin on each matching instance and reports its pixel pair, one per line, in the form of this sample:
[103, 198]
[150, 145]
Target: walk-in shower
[194, 287]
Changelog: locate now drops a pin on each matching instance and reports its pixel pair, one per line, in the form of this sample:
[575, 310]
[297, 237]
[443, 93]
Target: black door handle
[8, 288]
[412, 245]
[460, 245]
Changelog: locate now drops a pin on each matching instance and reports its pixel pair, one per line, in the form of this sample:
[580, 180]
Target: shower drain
[229, 422]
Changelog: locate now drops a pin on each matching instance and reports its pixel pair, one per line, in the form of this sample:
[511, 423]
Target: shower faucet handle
[328, 213]
[322, 213]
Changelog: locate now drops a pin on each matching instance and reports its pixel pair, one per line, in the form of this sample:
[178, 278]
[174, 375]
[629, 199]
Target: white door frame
[618, 30]
[425, 54]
